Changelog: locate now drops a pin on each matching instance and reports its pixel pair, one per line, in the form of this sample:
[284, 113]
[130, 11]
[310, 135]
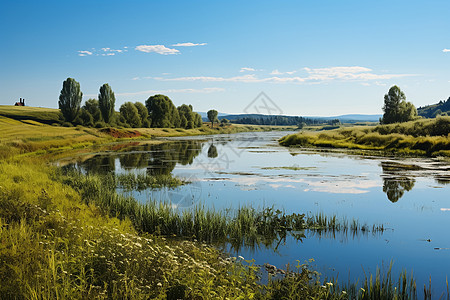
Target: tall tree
[212, 116]
[106, 101]
[143, 113]
[70, 99]
[131, 115]
[187, 116]
[162, 112]
[93, 108]
[396, 109]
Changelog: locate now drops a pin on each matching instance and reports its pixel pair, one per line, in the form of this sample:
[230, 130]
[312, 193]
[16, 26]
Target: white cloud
[84, 53]
[160, 49]
[313, 76]
[190, 91]
[276, 72]
[102, 52]
[109, 50]
[188, 44]
[243, 78]
[446, 50]
[348, 73]
[246, 69]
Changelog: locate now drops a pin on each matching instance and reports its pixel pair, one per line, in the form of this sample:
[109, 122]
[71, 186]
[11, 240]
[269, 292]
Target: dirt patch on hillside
[120, 133]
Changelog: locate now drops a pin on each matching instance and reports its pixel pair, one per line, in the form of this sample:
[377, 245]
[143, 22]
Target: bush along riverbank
[421, 137]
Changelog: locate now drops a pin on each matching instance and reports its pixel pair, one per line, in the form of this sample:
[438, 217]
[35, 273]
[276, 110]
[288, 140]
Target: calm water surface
[411, 197]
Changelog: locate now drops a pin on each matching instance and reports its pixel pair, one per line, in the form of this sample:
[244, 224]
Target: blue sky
[310, 57]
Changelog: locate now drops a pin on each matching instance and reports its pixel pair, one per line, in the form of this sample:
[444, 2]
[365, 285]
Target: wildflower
[329, 283]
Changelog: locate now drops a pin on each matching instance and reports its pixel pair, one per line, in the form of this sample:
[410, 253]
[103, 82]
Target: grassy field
[430, 137]
[25, 130]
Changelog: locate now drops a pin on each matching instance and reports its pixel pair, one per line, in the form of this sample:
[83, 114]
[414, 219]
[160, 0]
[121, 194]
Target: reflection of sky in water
[251, 169]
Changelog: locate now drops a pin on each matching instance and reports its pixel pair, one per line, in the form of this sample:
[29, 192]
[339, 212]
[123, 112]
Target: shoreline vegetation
[66, 235]
[423, 137]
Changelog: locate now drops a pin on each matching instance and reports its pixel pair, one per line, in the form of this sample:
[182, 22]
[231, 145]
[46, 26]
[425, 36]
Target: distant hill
[433, 110]
[245, 118]
[357, 118]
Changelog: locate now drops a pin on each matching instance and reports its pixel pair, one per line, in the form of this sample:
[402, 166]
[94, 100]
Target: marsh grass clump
[420, 137]
[131, 181]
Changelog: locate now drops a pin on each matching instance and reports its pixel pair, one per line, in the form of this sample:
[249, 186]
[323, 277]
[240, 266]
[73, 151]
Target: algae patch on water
[293, 168]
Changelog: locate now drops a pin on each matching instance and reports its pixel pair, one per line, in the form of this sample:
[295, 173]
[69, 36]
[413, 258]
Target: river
[410, 197]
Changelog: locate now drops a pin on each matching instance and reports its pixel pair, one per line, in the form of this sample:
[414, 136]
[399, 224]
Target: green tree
[224, 122]
[187, 116]
[396, 109]
[70, 99]
[93, 108]
[86, 117]
[162, 112]
[106, 101]
[198, 120]
[130, 114]
[143, 113]
[212, 116]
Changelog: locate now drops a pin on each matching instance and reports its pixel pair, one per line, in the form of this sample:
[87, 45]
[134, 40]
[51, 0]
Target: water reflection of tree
[99, 164]
[159, 159]
[395, 181]
[212, 151]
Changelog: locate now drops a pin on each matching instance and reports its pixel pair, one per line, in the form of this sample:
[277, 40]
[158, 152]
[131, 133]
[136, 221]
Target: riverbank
[35, 130]
[424, 137]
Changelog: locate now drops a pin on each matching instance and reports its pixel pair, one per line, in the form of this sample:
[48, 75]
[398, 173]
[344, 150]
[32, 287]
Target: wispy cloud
[102, 52]
[84, 53]
[188, 44]
[189, 91]
[160, 49]
[276, 72]
[446, 50]
[246, 69]
[354, 73]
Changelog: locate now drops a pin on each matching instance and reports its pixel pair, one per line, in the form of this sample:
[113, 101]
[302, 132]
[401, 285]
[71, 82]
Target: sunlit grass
[421, 137]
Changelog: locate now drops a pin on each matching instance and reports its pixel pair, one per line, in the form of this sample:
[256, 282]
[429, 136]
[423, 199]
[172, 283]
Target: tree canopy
[70, 99]
[396, 109]
[106, 100]
[212, 116]
[162, 112]
[143, 113]
[130, 114]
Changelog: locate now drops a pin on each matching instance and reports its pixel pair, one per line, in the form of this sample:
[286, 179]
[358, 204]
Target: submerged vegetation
[420, 137]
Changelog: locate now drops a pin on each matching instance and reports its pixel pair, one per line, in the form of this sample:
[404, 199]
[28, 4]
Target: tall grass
[245, 225]
[421, 137]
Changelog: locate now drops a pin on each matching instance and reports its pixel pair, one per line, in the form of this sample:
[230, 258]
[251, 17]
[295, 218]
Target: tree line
[158, 111]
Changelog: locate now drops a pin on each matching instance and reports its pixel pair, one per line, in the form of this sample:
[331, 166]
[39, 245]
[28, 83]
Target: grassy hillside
[421, 137]
[433, 110]
[39, 114]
